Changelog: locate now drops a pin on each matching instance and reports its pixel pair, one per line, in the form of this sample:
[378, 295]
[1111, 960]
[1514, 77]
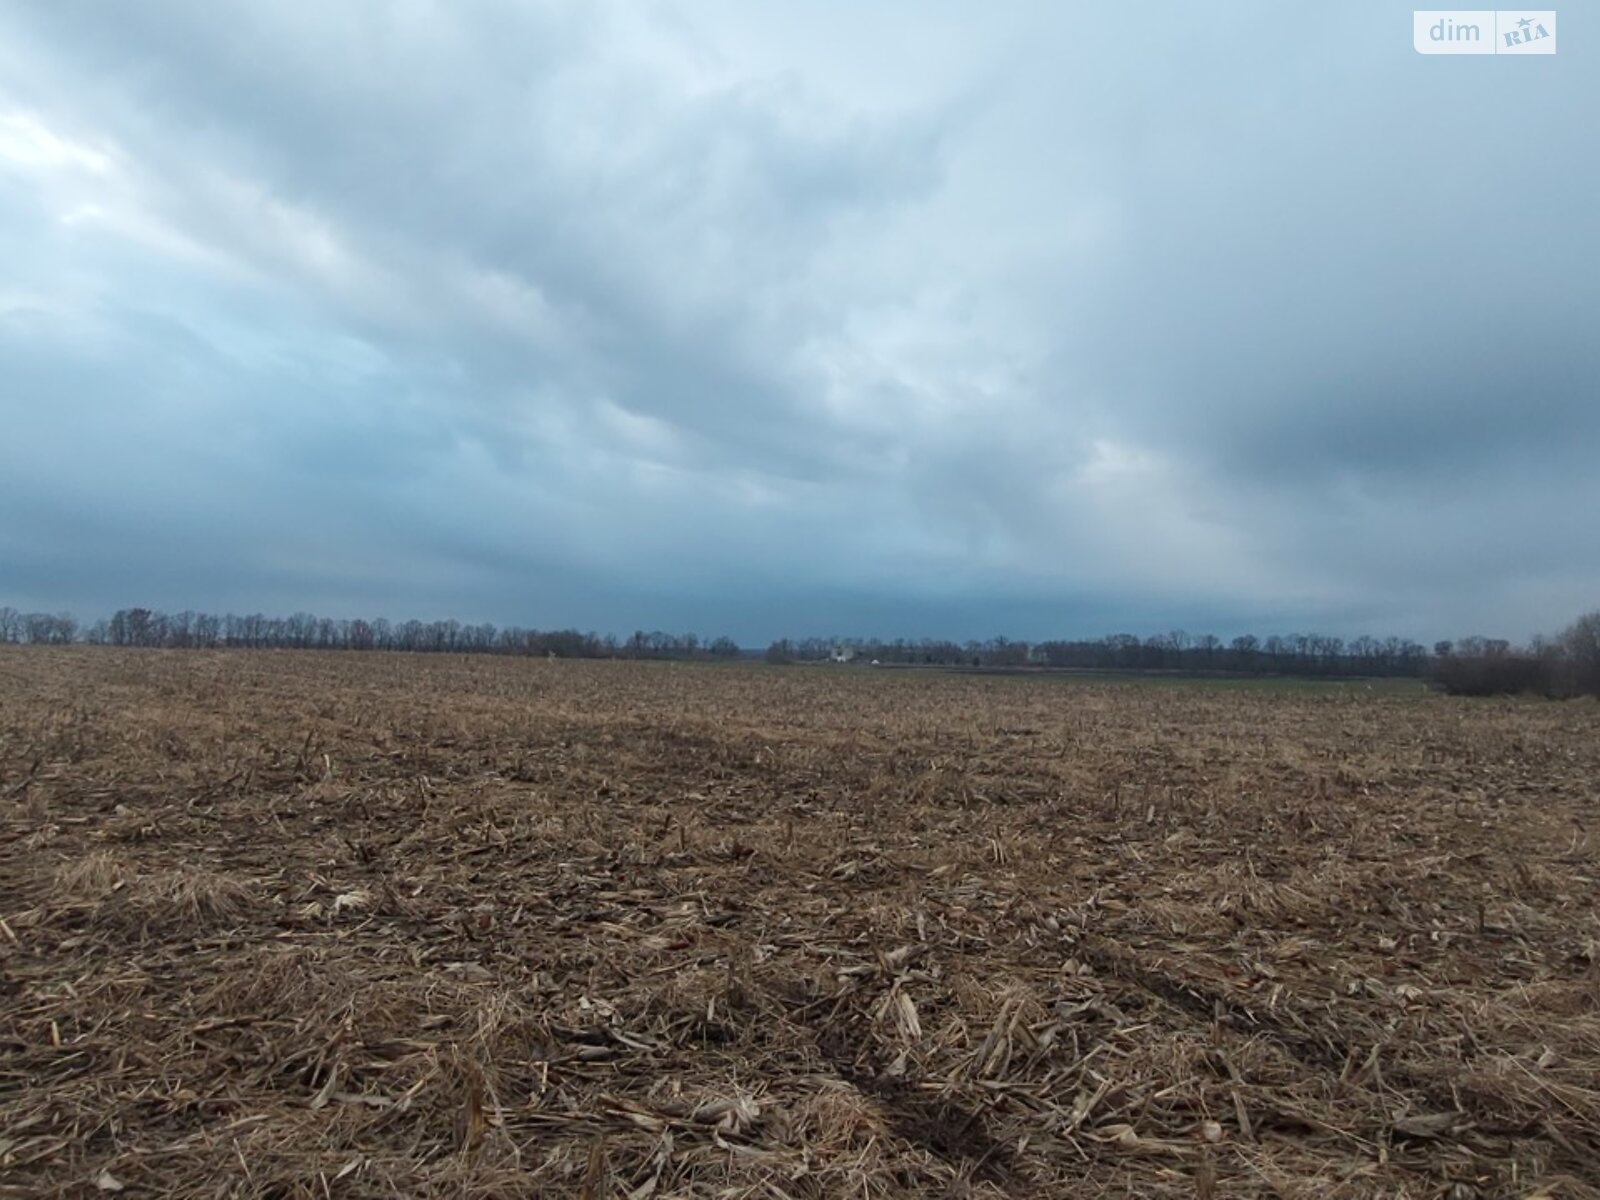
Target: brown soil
[343, 925]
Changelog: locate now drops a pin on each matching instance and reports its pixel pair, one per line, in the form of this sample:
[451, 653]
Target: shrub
[1500, 675]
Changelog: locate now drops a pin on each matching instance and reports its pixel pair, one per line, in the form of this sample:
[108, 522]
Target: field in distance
[346, 925]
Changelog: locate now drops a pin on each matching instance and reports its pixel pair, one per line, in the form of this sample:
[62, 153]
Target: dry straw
[297, 926]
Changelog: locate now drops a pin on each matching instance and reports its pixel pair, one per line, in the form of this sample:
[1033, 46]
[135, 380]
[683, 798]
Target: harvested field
[301, 925]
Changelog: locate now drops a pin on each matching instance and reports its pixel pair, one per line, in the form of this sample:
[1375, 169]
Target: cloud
[774, 321]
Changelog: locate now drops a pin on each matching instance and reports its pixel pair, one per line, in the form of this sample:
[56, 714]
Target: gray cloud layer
[798, 318]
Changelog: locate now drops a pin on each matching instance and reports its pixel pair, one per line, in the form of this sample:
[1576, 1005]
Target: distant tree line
[305, 631]
[1291, 654]
[41, 629]
[1566, 665]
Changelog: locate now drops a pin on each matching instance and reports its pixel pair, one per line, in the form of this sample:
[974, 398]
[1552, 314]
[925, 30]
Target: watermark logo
[1484, 31]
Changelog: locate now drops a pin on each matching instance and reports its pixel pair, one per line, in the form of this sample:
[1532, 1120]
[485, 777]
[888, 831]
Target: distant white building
[842, 654]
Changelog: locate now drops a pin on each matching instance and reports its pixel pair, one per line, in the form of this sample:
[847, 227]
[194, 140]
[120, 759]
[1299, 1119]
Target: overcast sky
[799, 318]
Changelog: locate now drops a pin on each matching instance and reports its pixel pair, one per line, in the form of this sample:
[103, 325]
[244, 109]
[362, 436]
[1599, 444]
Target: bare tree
[1581, 643]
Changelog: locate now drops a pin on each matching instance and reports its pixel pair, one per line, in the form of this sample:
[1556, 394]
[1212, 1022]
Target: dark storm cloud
[733, 316]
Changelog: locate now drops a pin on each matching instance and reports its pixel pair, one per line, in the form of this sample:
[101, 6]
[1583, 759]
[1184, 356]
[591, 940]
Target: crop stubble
[354, 925]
